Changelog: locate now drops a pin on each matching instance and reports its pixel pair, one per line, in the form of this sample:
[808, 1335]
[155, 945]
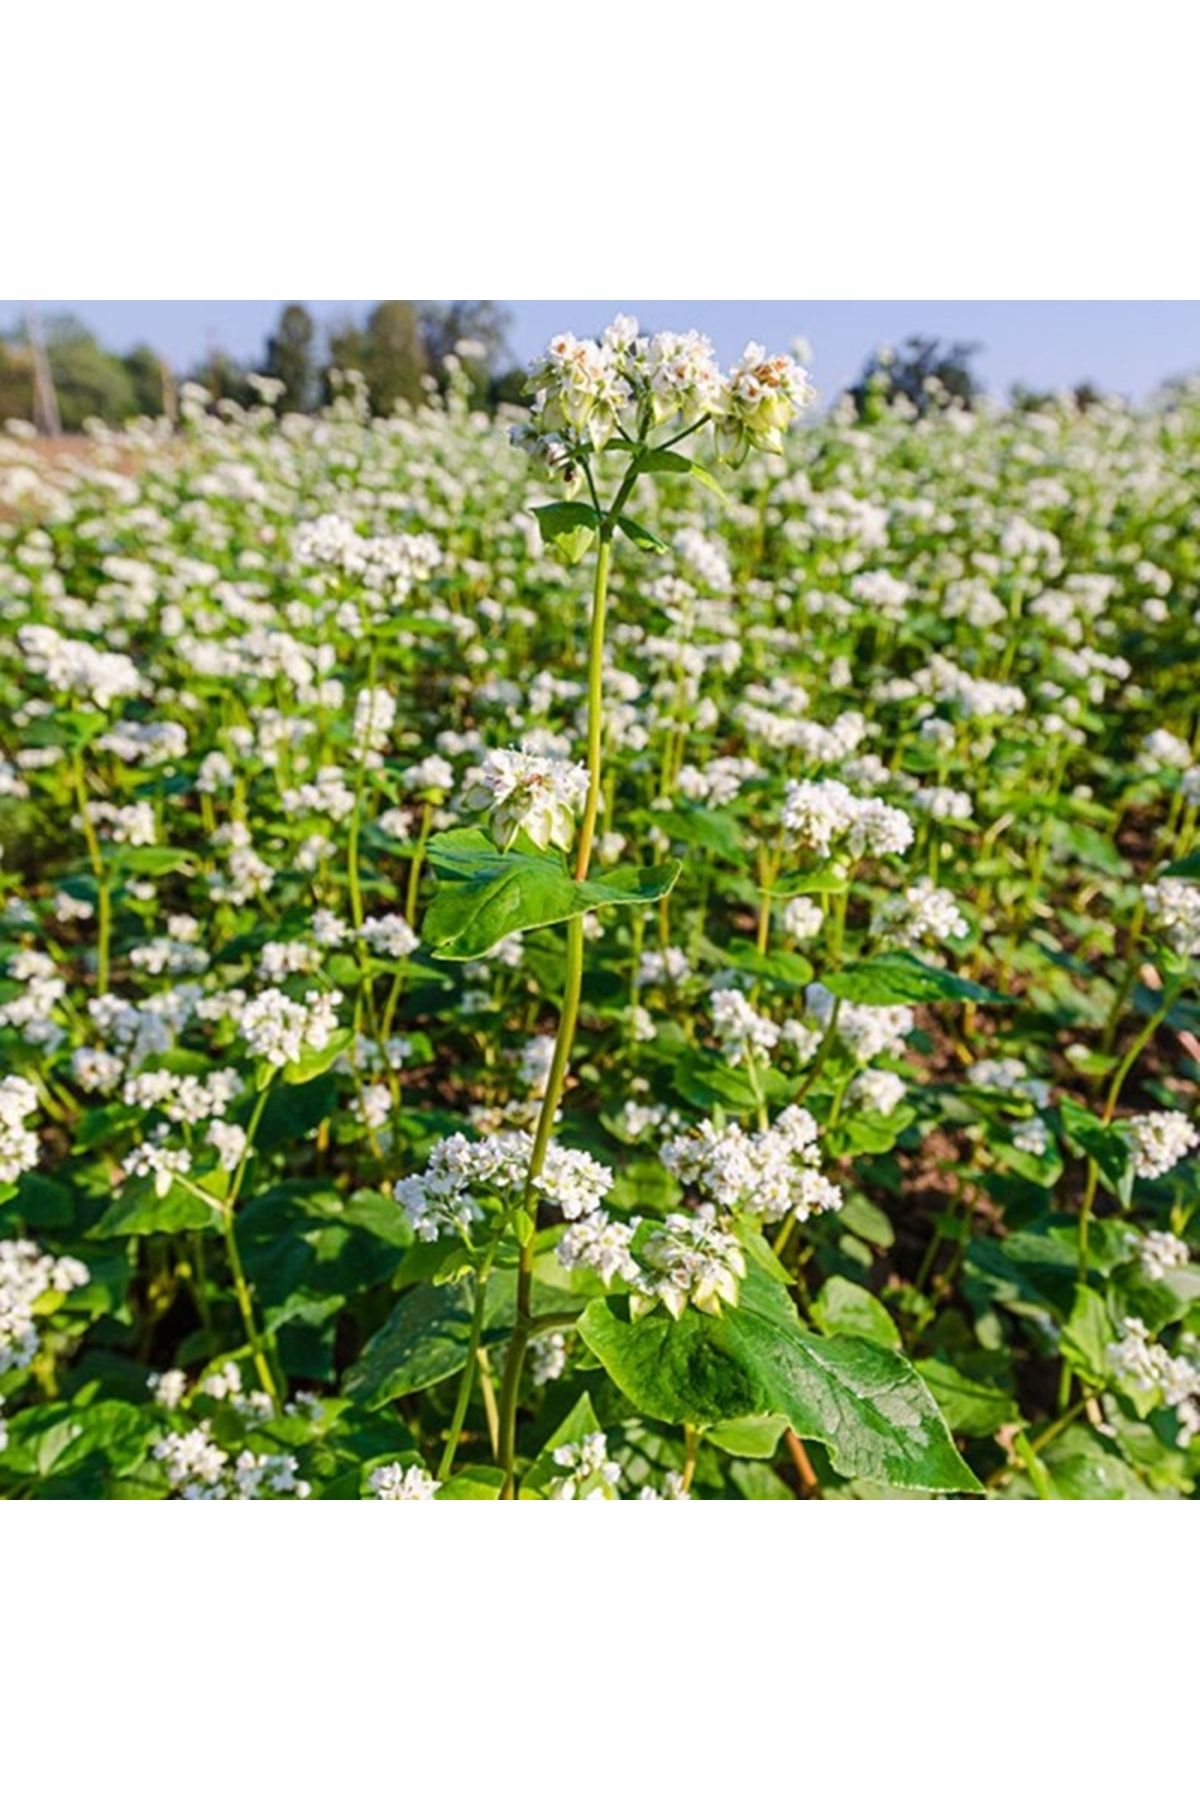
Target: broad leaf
[426, 1337]
[669, 462]
[898, 979]
[639, 534]
[844, 1307]
[484, 894]
[568, 528]
[865, 1403]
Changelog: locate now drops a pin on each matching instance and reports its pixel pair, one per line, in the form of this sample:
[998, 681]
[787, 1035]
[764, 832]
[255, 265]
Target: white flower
[1160, 1140]
[1174, 906]
[393, 1481]
[688, 1260]
[539, 795]
[18, 1144]
[159, 1161]
[281, 1030]
[820, 816]
[768, 1173]
[26, 1274]
[374, 716]
[802, 918]
[444, 1200]
[866, 1031]
[876, 1090]
[764, 395]
[229, 1142]
[390, 937]
[590, 1472]
[739, 1027]
[599, 1243]
[922, 914]
[1159, 1252]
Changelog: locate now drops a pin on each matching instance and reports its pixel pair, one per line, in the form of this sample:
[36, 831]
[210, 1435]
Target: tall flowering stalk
[639, 398]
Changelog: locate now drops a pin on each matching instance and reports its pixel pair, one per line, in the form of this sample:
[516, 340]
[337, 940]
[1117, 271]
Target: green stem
[523, 1323]
[360, 776]
[467, 1380]
[241, 1287]
[96, 860]
[569, 1006]
[414, 869]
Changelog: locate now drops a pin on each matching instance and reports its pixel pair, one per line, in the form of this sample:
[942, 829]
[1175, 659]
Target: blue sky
[1128, 346]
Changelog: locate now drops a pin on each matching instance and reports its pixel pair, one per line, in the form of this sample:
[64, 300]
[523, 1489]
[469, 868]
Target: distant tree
[149, 378]
[387, 351]
[16, 379]
[474, 330]
[928, 374]
[224, 378]
[89, 382]
[291, 359]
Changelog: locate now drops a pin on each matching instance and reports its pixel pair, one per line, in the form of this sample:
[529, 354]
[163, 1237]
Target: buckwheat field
[639, 948]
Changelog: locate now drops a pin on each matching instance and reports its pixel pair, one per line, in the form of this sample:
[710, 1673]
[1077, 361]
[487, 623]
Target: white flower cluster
[741, 1029]
[1148, 1366]
[824, 816]
[1174, 907]
[688, 1260]
[159, 1161]
[281, 1030]
[197, 1468]
[444, 1199]
[392, 563]
[585, 390]
[26, 1274]
[1160, 1140]
[768, 1173]
[802, 918]
[18, 1144]
[539, 795]
[588, 1471]
[922, 914]
[876, 1090]
[389, 936]
[73, 666]
[374, 716]
[392, 1481]
[1009, 1075]
[1161, 1251]
[866, 1031]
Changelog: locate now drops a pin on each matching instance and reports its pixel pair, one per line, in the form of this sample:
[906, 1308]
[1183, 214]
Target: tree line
[400, 350]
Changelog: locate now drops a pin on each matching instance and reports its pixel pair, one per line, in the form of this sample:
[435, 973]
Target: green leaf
[669, 462]
[425, 1339]
[292, 1112]
[817, 881]
[485, 894]
[753, 1438]
[296, 1074]
[1106, 1145]
[578, 1424]
[899, 978]
[865, 1403]
[137, 1211]
[641, 536]
[1086, 1337]
[475, 1482]
[568, 528]
[1187, 868]
[152, 859]
[844, 1307]
[969, 1405]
